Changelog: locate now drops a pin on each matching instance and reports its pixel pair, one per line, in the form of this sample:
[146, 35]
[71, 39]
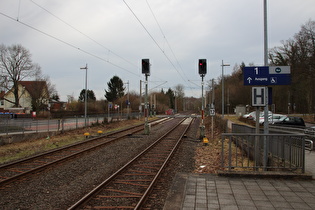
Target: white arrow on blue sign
[267, 75]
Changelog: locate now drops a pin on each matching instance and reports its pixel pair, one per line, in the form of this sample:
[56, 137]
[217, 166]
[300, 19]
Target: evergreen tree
[115, 89]
[90, 95]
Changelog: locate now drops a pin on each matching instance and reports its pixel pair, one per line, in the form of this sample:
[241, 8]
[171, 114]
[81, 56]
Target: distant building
[31, 94]
[55, 105]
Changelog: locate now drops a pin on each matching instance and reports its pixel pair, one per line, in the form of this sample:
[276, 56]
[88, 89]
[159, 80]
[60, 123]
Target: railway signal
[146, 72]
[202, 67]
[146, 66]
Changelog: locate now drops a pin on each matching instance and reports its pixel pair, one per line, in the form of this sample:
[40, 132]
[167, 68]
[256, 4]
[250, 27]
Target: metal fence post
[222, 151]
[230, 153]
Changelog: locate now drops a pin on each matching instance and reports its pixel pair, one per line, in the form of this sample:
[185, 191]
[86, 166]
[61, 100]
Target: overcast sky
[112, 36]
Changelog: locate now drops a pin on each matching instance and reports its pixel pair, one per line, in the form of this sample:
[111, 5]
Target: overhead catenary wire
[67, 43]
[167, 42]
[77, 30]
[110, 51]
[96, 42]
[153, 39]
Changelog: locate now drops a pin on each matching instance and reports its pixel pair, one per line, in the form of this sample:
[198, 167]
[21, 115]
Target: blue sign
[267, 75]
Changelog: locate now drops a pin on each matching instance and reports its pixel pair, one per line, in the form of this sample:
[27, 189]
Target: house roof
[33, 86]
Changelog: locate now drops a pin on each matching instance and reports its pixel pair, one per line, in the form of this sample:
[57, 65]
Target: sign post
[261, 96]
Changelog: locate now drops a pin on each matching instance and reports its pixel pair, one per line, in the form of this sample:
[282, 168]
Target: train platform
[210, 191]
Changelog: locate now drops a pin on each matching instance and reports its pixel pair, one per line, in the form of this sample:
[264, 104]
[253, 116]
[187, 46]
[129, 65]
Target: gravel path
[60, 187]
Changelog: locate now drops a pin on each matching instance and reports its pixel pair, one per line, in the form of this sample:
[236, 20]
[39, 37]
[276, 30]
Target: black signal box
[202, 66]
[146, 66]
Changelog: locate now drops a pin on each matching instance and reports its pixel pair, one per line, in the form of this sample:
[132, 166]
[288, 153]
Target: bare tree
[299, 53]
[16, 65]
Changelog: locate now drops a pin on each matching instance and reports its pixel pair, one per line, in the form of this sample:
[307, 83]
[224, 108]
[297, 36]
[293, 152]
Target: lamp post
[223, 87]
[85, 96]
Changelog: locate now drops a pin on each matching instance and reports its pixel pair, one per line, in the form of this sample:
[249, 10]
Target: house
[32, 95]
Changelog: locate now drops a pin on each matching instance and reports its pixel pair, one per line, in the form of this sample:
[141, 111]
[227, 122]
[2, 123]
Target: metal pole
[265, 34]
[223, 87]
[266, 122]
[85, 96]
[146, 128]
[212, 106]
[202, 127]
[212, 93]
[128, 101]
[202, 101]
[140, 106]
[222, 91]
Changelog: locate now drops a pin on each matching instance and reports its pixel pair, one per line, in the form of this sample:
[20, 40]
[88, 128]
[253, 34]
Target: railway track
[130, 186]
[15, 170]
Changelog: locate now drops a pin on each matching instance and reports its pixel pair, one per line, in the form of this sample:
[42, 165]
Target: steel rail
[149, 189]
[22, 172]
[85, 199]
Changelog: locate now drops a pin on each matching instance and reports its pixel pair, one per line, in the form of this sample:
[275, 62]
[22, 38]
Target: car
[249, 115]
[261, 115]
[272, 118]
[277, 118]
[291, 121]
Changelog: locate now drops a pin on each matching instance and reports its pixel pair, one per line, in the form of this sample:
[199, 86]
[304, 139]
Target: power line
[153, 39]
[67, 43]
[96, 42]
[165, 38]
[167, 42]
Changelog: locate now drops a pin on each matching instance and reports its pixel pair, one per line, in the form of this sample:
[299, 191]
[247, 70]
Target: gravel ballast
[60, 187]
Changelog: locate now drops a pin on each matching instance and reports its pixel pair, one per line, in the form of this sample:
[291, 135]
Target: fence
[27, 125]
[249, 151]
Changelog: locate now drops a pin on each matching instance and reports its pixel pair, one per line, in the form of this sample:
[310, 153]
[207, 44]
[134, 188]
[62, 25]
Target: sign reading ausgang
[267, 75]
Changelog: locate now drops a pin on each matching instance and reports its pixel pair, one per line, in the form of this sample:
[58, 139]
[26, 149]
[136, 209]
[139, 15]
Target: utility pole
[85, 95]
[266, 120]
